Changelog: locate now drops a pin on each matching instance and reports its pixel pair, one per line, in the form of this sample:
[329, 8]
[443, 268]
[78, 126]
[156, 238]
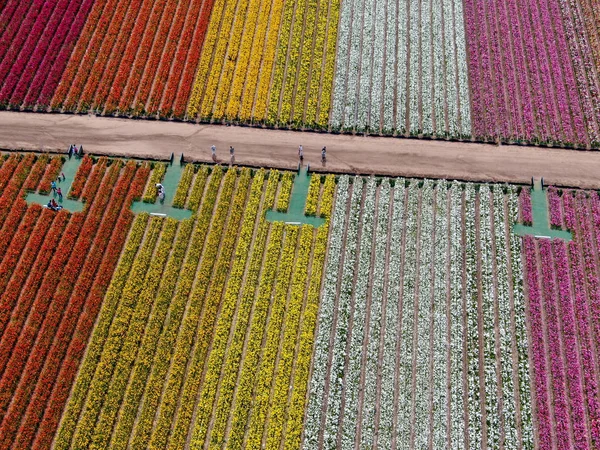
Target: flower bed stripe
[124, 360]
[217, 357]
[81, 177]
[61, 369]
[142, 367]
[50, 72]
[184, 186]
[212, 303]
[162, 358]
[37, 171]
[243, 397]
[51, 174]
[82, 436]
[198, 189]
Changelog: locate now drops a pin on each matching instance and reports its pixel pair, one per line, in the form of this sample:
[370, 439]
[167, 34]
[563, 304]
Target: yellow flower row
[297, 405]
[131, 341]
[204, 67]
[94, 352]
[185, 338]
[244, 24]
[248, 376]
[235, 350]
[211, 302]
[317, 61]
[283, 201]
[312, 199]
[287, 99]
[184, 186]
[118, 329]
[305, 60]
[265, 374]
[262, 96]
[327, 84]
[250, 55]
[221, 333]
[279, 70]
[221, 55]
[156, 177]
[164, 350]
[327, 199]
[293, 312]
[198, 189]
[145, 356]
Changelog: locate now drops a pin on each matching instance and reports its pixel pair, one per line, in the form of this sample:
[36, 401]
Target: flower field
[522, 71]
[413, 318]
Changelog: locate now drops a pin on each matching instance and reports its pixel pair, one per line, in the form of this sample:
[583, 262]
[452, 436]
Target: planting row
[267, 61]
[421, 336]
[54, 274]
[532, 72]
[195, 310]
[564, 307]
[401, 68]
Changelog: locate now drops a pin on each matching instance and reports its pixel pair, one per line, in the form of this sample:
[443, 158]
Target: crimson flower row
[81, 177]
[50, 72]
[51, 174]
[11, 70]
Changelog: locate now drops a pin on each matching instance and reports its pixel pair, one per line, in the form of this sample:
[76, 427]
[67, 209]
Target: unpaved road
[277, 148]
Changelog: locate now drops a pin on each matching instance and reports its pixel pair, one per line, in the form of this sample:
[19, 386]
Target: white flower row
[386, 422]
[374, 333]
[378, 41]
[406, 320]
[326, 316]
[508, 390]
[520, 326]
[475, 416]
[422, 326]
[357, 332]
[440, 319]
[336, 377]
[488, 295]
[457, 423]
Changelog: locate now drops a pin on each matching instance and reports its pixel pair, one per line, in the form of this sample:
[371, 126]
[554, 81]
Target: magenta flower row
[523, 83]
[525, 206]
[554, 204]
[537, 344]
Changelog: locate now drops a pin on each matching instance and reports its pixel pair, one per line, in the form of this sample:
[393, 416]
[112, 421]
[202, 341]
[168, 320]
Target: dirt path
[277, 148]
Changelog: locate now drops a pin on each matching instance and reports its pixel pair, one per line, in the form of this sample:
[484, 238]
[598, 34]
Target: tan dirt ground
[278, 148]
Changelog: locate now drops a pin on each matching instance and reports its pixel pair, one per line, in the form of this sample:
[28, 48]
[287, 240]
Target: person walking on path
[324, 155]
[213, 150]
[301, 154]
[232, 153]
[53, 186]
[59, 192]
[62, 174]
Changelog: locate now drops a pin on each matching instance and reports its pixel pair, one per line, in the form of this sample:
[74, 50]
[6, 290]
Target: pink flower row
[523, 83]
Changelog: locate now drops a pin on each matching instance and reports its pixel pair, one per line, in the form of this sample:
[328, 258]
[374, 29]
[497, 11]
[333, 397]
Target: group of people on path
[74, 150]
[213, 150]
[56, 190]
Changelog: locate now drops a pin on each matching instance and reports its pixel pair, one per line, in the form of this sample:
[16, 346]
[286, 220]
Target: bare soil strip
[277, 148]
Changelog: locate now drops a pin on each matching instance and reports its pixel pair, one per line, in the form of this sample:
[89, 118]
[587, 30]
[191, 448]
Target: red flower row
[139, 68]
[51, 174]
[36, 174]
[92, 51]
[15, 284]
[74, 59]
[129, 58]
[10, 196]
[7, 169]
[14, 26]
[92, 184]
[81, 177]
[66, 305]
[70, 365]
[189, 76]
[99, 63]
[19, 240]
[55, 59]
[124, 36]
[163, 65]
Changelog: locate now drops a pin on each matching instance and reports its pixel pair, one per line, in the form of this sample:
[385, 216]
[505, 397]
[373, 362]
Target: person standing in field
[53, 186]
[59, 192]
[213, 150]
[301, 154]
[232, 153]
